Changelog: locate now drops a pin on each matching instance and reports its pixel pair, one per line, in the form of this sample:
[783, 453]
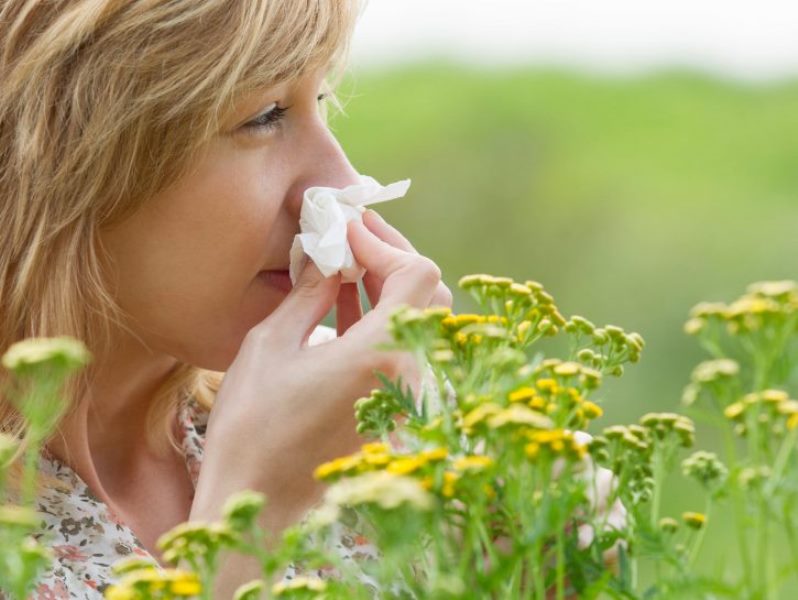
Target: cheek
[188, 263]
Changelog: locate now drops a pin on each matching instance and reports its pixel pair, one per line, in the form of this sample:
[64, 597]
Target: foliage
[482, 481]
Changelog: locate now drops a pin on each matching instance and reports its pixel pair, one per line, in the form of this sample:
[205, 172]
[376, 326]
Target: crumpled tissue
[322, 222]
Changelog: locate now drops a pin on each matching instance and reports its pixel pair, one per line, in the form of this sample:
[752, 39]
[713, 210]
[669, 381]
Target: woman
[153, 156]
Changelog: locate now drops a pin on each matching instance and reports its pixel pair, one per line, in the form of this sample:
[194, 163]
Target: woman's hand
[285, 407]
[348, 305]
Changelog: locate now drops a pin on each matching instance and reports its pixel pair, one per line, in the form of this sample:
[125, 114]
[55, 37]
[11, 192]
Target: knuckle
[304, 290]
[258, 336]
[382, 362]
[427, 271]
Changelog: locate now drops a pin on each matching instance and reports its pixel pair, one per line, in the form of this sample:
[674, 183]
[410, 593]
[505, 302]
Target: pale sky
[751, 39]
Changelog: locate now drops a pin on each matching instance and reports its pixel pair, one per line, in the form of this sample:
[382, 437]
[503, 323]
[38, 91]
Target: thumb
[311, 298]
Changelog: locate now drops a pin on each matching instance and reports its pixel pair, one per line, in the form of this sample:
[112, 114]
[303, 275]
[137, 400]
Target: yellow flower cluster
[525, 303]
[380, 488]
[568, 373]
[378, 456]
[765, 302]
[633, 437]
[662, 425]
[554, 443]
[64, 351]
[772, 409]
[610, 341]
[433, 468]
[147, 581]
[553, 399]
[492, 416]
[195, 538]
[298, 584]
[446, 483]
[472, 329]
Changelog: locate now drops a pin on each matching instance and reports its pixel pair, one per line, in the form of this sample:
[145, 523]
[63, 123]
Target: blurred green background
[630, 199]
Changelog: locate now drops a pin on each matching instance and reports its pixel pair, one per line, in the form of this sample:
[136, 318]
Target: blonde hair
[102, 104]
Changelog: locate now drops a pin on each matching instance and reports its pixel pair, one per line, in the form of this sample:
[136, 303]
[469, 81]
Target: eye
[270, 118]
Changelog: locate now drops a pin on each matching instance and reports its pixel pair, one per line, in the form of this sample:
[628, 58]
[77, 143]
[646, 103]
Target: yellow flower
[790, 407]
[522, 394]
[567, 369]
[374, 448]
[694, 326]
[119, 592]
[449, 482]
[460, 321]
[518, 414]
[792, 421]
[773, 288]
[479, 414]
[376, 460]
[252, 590]
[557, 441]
[473, 462]
[186, 584]
[345, 464]
[434, 454]
[523, 330]
[62, 350]
[532, 450]
[547, 385]
[299, 583]
[18, 516]
[694, 519]
[733, 411]
[133, 563]
[774, 396]
[592, 410]
[405, 465]
[537, 403]
[382, 488]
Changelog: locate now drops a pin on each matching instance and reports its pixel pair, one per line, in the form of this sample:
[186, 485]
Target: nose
[325, 164]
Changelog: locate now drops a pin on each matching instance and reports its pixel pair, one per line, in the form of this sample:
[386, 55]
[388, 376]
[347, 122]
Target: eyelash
[270, 119]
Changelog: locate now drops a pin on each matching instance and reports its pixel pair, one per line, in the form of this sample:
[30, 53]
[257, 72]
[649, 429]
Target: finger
[311, 298]
[407, 278]
[386, 232]
[347, 307]
[442, 296]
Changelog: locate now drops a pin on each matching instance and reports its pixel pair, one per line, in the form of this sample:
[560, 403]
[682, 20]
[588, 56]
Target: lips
[277, 278]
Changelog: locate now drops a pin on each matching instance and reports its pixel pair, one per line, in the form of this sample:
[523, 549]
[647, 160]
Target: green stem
[789, 532]
[699, 539]
[658, 468]
[30, 472]
[560, 590]
[739, 514]
[782, 459]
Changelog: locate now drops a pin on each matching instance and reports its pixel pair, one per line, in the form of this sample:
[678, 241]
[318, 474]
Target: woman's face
[206, 259]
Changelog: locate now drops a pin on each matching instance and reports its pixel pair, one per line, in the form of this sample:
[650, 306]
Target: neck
[103, 437]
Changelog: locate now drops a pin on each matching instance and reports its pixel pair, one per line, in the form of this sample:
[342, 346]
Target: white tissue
[322, 221]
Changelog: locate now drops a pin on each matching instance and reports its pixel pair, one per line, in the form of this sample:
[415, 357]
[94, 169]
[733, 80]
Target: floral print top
[87, 538]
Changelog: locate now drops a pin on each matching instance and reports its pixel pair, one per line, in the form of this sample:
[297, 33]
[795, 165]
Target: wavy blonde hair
[102, 104]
